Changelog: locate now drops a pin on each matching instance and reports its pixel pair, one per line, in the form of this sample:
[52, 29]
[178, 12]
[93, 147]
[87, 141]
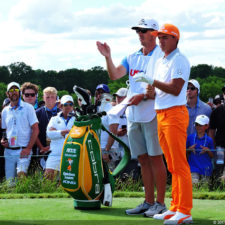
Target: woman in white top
[57, 130]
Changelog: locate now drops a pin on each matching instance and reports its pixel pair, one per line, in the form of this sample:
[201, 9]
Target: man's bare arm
[173, 87]
[113, 71]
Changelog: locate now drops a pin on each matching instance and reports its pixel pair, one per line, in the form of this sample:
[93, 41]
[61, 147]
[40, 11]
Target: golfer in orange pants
[170, 81]
[172, 126]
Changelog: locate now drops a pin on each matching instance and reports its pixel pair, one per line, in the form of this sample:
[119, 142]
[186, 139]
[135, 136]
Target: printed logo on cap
[142, 22]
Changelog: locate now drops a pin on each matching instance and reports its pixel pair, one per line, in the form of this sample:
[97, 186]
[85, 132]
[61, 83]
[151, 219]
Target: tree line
[211, 79]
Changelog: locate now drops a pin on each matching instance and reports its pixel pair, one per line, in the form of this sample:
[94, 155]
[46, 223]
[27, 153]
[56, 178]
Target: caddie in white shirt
[141, 116]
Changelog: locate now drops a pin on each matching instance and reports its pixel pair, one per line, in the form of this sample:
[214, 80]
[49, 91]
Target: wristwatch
[145, 97]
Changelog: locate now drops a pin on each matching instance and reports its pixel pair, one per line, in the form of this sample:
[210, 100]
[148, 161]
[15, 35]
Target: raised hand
[104, 49]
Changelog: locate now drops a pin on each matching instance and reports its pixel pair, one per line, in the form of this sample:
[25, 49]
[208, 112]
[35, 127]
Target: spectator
[57, 130]
[194, 105]
[171, 80]
[21, 125]
[108, 145]
[30, 93]
[44, 115]
[120, 95]
[217, 133]
[217, 101]
[6, 102]
[132, 168]
[223, 90]
[200, 157]
[2, 134]
[141, 116]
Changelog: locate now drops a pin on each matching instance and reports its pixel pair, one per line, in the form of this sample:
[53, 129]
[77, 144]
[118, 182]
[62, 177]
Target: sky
[62, 34]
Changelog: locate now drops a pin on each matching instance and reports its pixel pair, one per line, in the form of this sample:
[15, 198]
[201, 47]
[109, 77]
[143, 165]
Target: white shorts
[14, 164]
[143, 138]
[53, 162]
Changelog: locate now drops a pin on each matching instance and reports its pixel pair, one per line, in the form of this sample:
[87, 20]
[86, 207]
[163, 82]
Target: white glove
[142, 77]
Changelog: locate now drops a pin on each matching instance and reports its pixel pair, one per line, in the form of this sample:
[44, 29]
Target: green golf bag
[84, 175]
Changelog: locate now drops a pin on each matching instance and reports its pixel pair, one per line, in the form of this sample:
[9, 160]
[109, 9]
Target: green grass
[60, 211]
[36, 186]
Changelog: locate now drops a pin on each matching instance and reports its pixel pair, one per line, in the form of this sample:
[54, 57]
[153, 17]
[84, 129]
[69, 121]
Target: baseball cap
[10, 85]
[217, 97]
[223, 89]
[146, 24]
[202, 120]
[195, 84]
[168, 29]
[66, 98]
[122, 92]
[217, 100]
[104, 87]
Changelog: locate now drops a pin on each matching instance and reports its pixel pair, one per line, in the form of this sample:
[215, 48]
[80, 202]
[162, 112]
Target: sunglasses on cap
[14, 89]
[143, 31]
[191, 88]
[29, 94]
[68, 104]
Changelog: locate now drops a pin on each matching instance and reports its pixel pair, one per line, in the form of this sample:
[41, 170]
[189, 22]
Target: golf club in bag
[84, 174]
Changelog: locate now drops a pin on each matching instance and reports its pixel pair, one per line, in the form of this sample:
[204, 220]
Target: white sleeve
[113, 119]
[3, 124]
[53, 134]
[180, 68]
[32, 117]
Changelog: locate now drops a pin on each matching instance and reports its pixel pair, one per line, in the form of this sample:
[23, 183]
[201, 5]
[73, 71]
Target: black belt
[15, 148]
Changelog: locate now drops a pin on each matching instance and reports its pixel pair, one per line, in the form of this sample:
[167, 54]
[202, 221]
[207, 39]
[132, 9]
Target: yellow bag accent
[85, 169]
[77, 132]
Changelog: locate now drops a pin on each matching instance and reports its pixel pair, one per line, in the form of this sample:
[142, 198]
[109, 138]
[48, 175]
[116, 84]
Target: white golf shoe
[179, 218]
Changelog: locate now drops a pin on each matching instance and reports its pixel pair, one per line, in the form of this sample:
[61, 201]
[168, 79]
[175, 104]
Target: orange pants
[172, 132]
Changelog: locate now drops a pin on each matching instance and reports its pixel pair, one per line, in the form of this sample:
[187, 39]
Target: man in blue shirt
[194, 105]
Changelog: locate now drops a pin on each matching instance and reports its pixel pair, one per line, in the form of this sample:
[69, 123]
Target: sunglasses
[191, 88]
[143, 31]
[29, 94]
[14, 89]
[68, 104]
[198, 125]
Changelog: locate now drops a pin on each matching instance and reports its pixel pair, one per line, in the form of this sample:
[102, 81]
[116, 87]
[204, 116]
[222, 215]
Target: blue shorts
[143, 138]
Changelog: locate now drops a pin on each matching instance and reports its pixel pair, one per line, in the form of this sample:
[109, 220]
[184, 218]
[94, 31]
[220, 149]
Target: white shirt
[18, 122]
[175, 65]
[57, 140]
[144, 111]
[107, 121]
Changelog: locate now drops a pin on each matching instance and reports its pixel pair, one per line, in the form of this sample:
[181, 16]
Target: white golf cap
[122, 92]
[66, 98]
[10, 85]
[202, 120]
[146, 24]
[195, 84]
